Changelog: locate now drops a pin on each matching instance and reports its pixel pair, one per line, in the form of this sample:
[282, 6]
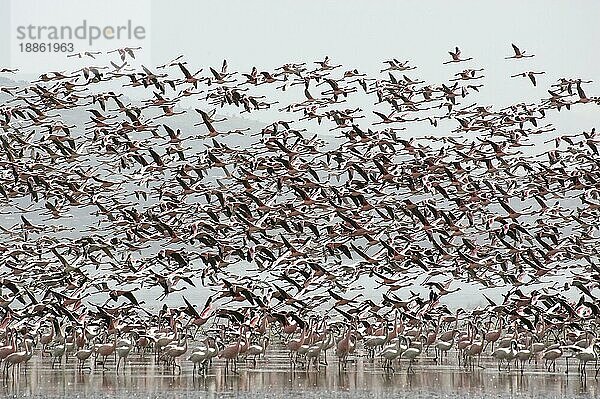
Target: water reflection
[144, 378]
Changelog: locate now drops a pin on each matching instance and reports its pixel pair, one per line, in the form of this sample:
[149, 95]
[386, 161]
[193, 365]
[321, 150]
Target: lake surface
[272, 378]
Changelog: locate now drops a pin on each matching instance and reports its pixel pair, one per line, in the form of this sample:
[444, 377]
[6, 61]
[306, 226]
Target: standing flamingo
[17, 358]
[105, 350]
[259, 349]
[6, 350]
[411, 353]
[343, 347]
[45, 339]
[123, 349]
[82, 355]
[293, 345]
[231, 352]
[494, 335]
[176, 351]
[58, 351]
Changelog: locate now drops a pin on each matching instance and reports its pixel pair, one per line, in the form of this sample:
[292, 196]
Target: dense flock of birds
[332, 229]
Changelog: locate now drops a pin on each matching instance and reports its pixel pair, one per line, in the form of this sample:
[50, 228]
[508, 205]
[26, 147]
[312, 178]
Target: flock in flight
[332, 232]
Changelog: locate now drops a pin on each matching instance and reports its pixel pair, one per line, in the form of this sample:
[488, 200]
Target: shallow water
[363, 378]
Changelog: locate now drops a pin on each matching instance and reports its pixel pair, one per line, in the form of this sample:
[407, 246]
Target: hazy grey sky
[562, 35]
[358, 34]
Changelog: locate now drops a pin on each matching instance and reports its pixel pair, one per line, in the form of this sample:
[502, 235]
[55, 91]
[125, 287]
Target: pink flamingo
[105, 350]
[6, 350]
[46, 339]
[231, 353]
[294, 345]
[494, 335]
[17, 358]
[343, 347]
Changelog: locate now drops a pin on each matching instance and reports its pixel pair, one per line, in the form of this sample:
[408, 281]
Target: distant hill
[185, 122]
